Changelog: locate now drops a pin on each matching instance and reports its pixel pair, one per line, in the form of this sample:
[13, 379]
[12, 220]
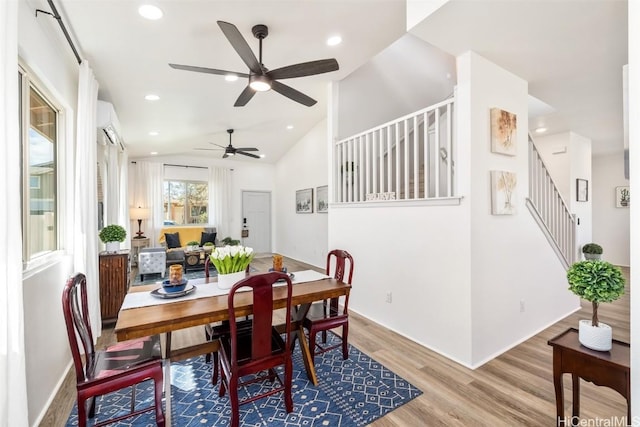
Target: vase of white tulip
[231, 263]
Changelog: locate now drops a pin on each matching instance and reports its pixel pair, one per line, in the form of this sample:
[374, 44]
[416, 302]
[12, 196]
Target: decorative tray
[162, 293]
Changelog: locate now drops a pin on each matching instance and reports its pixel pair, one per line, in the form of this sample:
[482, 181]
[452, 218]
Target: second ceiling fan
[260, 78]
[230, 150]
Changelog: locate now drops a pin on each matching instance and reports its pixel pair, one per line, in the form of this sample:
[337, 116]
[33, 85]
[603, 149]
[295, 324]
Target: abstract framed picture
[582, 190]
[623, 197]
[322, 196]
[503, 193]
[503, 132]
[304, 201]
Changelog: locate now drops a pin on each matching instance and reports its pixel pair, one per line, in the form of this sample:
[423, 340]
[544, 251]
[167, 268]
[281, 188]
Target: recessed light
[150, 11]
[334, 40]
[541, 129]
[153, 153]
[151, 97]
[154, 133]
[231, 77]
[289, 127]
[262, 156]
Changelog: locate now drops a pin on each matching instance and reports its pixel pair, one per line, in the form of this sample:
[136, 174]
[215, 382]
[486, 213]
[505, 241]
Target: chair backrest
[262, 290]
[76, 317]
[342, 262]
[339, 258]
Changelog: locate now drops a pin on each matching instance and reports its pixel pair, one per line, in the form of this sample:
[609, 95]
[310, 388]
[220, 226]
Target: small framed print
[582, 190]
[322, 197]
[622, 197]
[304, 201]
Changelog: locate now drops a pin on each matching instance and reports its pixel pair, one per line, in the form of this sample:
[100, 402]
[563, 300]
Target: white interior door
[256, 220]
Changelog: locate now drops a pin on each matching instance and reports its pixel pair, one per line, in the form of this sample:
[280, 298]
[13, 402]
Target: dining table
[146, 312]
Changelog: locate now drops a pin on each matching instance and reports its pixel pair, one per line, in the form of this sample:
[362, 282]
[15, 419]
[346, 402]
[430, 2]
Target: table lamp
[139, 214]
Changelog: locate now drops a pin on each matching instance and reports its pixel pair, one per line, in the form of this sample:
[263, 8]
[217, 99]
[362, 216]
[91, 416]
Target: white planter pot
[592, 256]
[226, 281]
[596, 338]
[112, 246]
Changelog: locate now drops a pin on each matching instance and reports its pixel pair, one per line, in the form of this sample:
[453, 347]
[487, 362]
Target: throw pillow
[172, 239]
[207, 237]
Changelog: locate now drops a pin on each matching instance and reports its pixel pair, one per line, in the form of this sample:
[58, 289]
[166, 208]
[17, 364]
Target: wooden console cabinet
[114, 282]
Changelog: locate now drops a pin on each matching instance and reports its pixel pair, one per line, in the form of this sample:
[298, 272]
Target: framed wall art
[582, 190]
[503, 193]
[304, 201]
[322, 196]
[622, 197]
[503, 132]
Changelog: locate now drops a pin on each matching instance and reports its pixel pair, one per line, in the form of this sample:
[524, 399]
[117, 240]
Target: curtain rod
[180, 166]
[57, 16]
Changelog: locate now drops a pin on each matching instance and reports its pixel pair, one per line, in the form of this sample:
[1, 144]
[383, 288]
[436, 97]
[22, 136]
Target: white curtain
[220, 200]
[13, 379]
[85, 231]
[123, 196]
[112, 205]
[147, 193]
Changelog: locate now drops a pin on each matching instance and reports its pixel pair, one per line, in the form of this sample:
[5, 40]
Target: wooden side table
[114, 282]
[603, 368]
[136, 245]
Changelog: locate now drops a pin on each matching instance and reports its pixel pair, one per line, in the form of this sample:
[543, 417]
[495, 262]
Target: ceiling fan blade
[221, 146]
[247, 154]
[293, 94]
[225, 156]
[206, 70]
[240, 45]
[244, 97]
[208, 149]
[305, 69]
[247, 149]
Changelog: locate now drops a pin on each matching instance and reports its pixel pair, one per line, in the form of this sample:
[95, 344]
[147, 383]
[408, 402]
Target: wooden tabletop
[155, 319]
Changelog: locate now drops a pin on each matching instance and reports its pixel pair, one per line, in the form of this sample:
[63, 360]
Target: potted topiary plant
[228, 241]
[193, 245]
[595, 281]
[592, 251]
[111, 236]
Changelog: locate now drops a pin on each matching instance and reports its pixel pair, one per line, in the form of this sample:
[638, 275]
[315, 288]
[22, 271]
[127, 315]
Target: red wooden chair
[326, 315]
[258, 349]
[122, 365]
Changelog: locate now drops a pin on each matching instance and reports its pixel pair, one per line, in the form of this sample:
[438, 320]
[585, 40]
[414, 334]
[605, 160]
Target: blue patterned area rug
[350, 393]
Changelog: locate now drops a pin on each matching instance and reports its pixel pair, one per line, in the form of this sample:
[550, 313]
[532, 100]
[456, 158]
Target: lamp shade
[139, 213]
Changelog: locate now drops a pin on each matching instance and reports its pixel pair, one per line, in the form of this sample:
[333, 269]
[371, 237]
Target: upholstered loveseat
[185, 234]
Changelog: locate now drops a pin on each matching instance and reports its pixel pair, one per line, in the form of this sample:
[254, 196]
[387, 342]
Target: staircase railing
[409, 158]
[550, 210]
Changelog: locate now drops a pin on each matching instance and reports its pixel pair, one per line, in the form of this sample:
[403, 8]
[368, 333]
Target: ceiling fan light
[150, 11]
[259, 83]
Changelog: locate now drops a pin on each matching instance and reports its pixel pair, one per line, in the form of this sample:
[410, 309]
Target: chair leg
[214, 377]
[92, 406]
[324, 337]
[312, 345]
[223, 382]
[207, 357]
[233, 397]
[288, 378]
[82, 412]
[141, 277]
[133, 398]
[345, 343]
[157, 385]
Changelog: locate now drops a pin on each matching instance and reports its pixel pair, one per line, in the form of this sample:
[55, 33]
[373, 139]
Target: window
[186, 202]
[39, 140]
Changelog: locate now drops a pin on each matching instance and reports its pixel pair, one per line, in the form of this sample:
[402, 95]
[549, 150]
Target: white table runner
[144, 299]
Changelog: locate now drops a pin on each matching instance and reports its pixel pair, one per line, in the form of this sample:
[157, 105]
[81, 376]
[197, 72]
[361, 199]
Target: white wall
[46, 343]
[511, 262]
[611, 227]
[302, 236]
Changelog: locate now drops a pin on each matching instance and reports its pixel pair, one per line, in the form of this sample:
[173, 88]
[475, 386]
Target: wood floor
[515, 389]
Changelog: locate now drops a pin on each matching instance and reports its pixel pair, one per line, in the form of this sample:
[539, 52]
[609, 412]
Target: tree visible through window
[186, 202]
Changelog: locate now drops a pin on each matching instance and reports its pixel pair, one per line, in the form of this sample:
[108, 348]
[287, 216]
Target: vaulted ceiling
[570, 51]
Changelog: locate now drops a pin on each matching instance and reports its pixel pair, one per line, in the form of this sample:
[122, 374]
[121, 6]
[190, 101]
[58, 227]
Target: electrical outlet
[388, 297]
[521, 306]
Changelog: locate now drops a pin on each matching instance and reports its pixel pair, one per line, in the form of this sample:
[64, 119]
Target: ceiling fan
[230, 150]
[260, 78]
